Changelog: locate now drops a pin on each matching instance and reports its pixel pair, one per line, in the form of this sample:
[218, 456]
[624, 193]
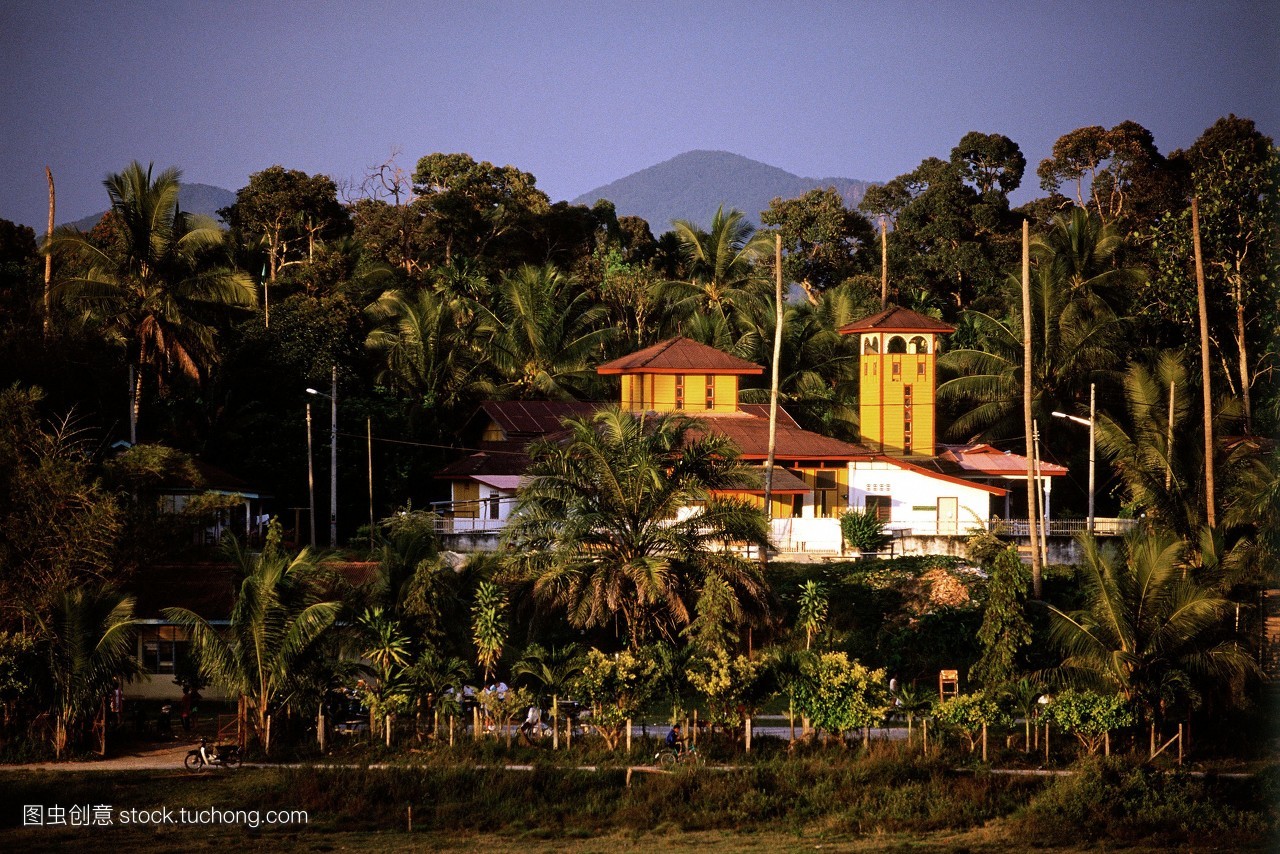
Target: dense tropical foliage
[623, 580]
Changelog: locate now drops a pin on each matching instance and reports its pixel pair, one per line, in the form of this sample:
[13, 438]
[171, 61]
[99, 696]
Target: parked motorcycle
[219, 755]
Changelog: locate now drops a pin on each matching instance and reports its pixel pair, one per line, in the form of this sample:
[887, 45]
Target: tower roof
[679, 355]
[896, 319]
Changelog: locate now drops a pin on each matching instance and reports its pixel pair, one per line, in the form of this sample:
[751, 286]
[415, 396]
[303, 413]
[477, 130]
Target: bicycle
[669, 758]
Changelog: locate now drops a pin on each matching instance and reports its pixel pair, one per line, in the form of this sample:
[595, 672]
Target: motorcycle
[219, 755]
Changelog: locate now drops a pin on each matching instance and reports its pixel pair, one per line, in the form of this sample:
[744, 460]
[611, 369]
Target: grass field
[841, 803]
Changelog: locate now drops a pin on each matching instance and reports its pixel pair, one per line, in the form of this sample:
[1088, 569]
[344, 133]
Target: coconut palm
[1149, 629]
[604, 530]
[277, 621]
[87, 642]
[547, 335]
[427, 340]
[1162, 478]
[552, 669]
[1075, 334]
[148, 281]
[721, 270]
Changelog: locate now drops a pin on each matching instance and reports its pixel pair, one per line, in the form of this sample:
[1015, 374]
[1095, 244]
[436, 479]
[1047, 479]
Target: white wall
[914, 497]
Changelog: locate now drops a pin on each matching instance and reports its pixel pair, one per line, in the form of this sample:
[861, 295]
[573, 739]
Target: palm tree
[1149, 629]
[618, 523]
[818, 370]
[1160, 464]
[427, 340]
[813, 610]
[552, 669]
[276, 623]
[147, 284]
[547, 335]
[1075, 332]
[721, 272]
[489, 626]
[87, 640]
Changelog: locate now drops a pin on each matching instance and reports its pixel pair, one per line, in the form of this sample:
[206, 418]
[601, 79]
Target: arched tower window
[897, 344]
[918, 344]
[870, 344]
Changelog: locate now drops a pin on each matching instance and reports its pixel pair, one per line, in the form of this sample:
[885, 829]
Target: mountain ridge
[193, 198]
[692, 185]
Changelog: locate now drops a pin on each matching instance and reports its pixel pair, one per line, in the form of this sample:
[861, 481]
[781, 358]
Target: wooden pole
[1044, 523]
[368, 423]
[773, 393]
[1211, 513]
[1093, 446]
[884, 265]
[555, 722]
[1168, 441]
[984, 742]
[1027, 379]
[628, 736]
[1046, 744]
[48, 260]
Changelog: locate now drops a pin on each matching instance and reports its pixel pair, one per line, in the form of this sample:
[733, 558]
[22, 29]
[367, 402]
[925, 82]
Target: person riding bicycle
[675, 741]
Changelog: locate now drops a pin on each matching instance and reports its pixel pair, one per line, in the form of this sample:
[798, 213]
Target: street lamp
[1088, 422]
[333, 457]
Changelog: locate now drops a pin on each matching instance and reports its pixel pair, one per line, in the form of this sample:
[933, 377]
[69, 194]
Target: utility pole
[1036, 569]
[1211, 514]
[1093, 445]
[333, 462]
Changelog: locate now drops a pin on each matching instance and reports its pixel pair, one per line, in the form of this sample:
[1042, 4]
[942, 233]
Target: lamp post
[333, 457]
[1088, 422]
[311, 482]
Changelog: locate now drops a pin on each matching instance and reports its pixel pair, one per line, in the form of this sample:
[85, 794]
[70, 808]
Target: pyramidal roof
[896, 319]
[679, 355]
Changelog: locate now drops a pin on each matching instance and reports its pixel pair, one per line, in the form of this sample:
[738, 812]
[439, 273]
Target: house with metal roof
[896, 470]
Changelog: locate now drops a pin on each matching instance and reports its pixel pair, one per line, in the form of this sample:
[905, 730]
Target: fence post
[1106, 743]
[386, 726]
[984, 742]
[747, 733]
[628, 736]
[555, 722]
[1046, 743]
[1179, 744]
[924, 733]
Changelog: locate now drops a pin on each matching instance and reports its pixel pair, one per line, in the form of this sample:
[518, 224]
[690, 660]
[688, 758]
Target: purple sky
[583, 93]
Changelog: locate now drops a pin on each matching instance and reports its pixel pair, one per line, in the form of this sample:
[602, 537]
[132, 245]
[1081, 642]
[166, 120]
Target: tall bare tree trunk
[1242, 346]
[1210, 513]
[48, 261]
[773, 393]
[1036, 570]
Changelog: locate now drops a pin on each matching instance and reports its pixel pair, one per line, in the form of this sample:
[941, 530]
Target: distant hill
[692, 185]
[192, 198]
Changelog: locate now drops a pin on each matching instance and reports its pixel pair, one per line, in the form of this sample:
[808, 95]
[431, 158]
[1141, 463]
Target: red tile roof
[679, 355]
[984, 459]
[895, 319]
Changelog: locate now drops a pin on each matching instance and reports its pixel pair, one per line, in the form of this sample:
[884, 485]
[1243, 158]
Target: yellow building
[899, 379]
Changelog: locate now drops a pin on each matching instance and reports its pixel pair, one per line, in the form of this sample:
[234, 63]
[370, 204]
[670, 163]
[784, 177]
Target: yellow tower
[898, 359]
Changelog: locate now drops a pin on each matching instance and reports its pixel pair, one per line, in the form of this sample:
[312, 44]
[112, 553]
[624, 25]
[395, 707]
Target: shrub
[1089, 716]
[839, 695]
[967, 714]
[863, 530]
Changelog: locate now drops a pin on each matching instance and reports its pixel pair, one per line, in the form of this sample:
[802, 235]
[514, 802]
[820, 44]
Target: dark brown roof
[895, 319]
[512, 459]
[209, 589]
[784, 481]
[533, 418]
[679, 355]
[751, 434]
